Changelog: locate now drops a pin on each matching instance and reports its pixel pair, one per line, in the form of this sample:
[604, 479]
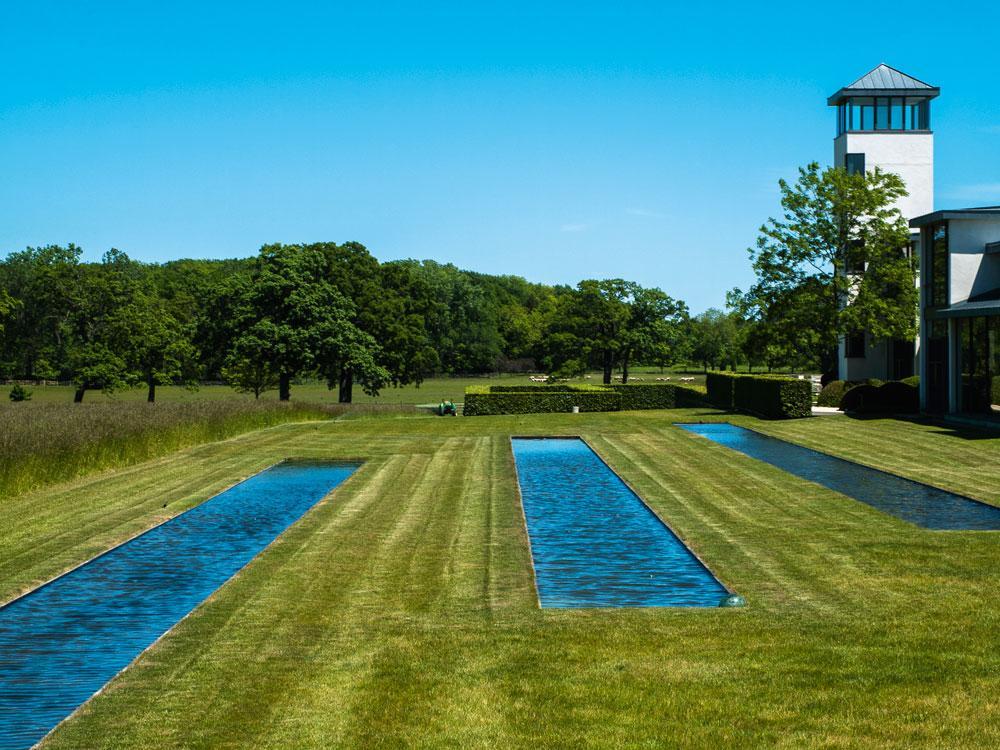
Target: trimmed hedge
[720, 390]
[556, 388]
[656, 396]
[768, 396]
[483, 401]
[832, 393]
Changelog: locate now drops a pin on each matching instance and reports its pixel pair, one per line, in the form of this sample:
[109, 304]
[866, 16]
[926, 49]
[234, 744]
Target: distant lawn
[401, 612]
[431, 391]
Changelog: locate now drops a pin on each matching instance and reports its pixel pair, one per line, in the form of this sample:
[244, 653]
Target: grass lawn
[401, 610]
[431, 391]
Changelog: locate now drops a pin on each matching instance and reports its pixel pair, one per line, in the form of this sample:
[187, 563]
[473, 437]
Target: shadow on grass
[973, 430]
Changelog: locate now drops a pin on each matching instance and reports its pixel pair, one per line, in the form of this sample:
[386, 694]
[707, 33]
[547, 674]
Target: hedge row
[769, 396]
[482, 401]
[498, 399]
[656, 396]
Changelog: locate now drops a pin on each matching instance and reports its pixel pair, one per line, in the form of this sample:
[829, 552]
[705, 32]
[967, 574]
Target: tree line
[324, 310]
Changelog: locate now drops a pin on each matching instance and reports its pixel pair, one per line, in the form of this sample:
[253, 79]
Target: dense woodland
[335, 312]
[324, 311]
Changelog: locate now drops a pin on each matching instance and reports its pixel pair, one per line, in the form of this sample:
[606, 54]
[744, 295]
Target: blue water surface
[64, 641]
[920, 504]
[594, 543]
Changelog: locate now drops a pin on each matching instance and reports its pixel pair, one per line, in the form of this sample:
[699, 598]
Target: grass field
[431, 391]
[401, 610]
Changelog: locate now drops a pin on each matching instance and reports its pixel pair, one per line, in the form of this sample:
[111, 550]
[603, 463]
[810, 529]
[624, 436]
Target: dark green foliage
[19, 393]
[528, 399]
[768, 396]
[548, 387]
[832, 393]
[480, 401]
[720, 390]
[894, 397]
[802, 289]
[322, 310]
[657, 396]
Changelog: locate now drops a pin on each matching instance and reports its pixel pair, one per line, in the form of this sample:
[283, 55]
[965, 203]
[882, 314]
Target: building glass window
[898, 121]
[938, 282]
[975, 364]
[937, 365]
[882, 114]
[854, 163]
[861, 113]
[855, 346]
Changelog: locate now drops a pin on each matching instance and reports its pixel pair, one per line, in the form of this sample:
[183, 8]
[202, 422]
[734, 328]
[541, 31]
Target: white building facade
[960, 312]
[884, 120]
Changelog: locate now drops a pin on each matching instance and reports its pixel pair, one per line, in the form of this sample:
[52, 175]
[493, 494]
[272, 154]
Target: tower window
[854, 163]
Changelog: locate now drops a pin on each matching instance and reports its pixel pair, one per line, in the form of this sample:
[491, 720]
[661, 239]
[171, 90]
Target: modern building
[884, 120]
[960, 311]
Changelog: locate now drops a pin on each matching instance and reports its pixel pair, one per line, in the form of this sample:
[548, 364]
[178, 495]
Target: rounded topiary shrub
[832, 393]
[858, 398]
[894, 397]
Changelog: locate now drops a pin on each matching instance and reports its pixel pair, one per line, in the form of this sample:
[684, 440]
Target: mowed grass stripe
[721, 524]
[867, 634]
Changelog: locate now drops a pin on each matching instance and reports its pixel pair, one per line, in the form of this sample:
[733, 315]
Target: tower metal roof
[885, 81]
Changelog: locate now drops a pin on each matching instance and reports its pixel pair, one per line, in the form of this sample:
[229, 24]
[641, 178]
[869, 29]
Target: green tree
[834, 222]
[44, 282]
[714, 339]
[161, 349]
[654, 330]
[7, 305]
[290, 316]
[101, 325]
[248, 368]
[585, 328]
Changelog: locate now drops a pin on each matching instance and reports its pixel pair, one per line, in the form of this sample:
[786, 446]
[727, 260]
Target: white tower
[884, 120]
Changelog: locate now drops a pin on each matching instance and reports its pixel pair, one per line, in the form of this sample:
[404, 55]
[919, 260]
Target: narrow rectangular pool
[594, 542]
[63, 641]
[920, 504]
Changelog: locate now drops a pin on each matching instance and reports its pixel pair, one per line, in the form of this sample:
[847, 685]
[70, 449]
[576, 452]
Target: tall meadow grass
[46, 443]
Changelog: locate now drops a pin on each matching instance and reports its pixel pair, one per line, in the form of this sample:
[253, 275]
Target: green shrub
[482, 401]
[913, 380]
[656, 396]
[832, 393]
[720, 390]
[19, 393]
[556, 388]
[769, 396]
[894, 397]
[875, 382]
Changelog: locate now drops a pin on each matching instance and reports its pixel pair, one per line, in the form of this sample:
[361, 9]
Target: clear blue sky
[572, 141]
